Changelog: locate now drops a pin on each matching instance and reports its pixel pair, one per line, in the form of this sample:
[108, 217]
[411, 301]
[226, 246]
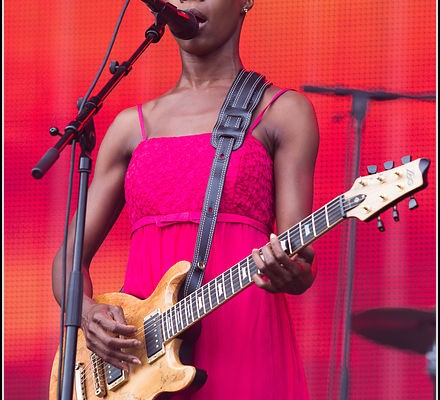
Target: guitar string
[170, 314]
[322, 214]
[191, 299]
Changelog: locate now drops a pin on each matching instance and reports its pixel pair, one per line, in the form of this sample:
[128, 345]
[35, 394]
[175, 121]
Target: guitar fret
[320, 221]
[216, 291]
[204, 298]
[300, 234]
[236, 278]
[313, 225]
[189, 310]
[162, 321]
[289, 242]
[210, 296]
[175, 318]
[181, 316]
[183, 310]
[308, 230]
[244, 274]
[335, 214]
[168, 324]
[201, 302]
[249, 270]
[253, 268]
[295, 238]
[228, 284]
[232, 280]
[193, 301]
[326, 216]
[173, 330]
[219, 289]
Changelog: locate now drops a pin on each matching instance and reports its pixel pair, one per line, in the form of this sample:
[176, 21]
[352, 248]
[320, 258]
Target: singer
[156, 159]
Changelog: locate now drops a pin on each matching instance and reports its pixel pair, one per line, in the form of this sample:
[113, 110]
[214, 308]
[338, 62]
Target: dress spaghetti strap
[260, 116]
[141, 121]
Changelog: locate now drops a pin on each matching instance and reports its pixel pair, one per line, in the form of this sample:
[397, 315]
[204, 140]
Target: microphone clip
[156, 31]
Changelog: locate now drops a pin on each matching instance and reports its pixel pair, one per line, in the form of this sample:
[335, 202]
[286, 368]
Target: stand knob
[54, 131]
[114, 65]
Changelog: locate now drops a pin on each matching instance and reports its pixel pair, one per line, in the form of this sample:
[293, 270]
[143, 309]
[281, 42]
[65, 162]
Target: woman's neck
[217, 68]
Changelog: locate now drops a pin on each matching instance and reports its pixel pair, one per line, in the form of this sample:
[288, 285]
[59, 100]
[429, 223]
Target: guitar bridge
[98, 375]
[80, 381]
[153, 336]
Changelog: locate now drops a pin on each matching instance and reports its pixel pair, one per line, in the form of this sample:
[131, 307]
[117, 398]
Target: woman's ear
[247, 5]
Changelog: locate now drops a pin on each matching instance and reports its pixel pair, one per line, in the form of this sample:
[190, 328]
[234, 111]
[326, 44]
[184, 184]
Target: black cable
[69, 196]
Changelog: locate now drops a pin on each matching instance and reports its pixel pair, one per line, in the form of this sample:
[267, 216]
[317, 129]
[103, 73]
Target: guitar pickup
[106, 376]
[153, 336]
[114, 376]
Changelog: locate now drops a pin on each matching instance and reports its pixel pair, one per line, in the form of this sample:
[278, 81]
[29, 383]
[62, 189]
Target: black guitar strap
[228, 135]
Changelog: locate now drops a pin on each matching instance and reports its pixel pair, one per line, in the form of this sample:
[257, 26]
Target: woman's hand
[107, 333]
[281, 273]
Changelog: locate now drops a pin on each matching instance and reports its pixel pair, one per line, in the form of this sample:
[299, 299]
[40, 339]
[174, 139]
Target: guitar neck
[211, 295]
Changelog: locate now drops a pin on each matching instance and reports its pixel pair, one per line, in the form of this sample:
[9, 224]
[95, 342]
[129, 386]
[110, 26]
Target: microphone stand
[82, 129]
[359, 105]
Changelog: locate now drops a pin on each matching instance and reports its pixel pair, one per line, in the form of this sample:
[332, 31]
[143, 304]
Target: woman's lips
[201, 18]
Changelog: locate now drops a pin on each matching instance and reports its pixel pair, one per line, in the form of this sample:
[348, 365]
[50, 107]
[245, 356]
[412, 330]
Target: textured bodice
[169, 175]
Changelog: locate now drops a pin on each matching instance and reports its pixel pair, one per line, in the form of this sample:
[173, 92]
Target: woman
[160, 165]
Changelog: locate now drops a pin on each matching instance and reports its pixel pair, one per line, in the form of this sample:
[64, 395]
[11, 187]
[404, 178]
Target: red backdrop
[52, 51]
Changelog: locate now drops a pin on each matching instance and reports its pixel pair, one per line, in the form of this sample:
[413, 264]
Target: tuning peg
[372, 169]
[380, 224]
[395, 214]
[406, 159]
[412, 203]
[388, 165]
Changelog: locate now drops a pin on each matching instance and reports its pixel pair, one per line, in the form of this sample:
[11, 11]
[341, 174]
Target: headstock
[382, 190]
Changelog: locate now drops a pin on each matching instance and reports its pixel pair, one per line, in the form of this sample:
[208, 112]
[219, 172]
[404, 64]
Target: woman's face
[219, 23]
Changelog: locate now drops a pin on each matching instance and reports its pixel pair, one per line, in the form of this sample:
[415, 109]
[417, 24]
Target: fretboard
[211, 295]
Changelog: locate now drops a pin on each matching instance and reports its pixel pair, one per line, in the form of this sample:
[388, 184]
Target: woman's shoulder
[286, 97]
[124, 133]
[291, 114]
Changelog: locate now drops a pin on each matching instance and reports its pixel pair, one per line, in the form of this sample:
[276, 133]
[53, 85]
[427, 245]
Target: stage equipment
[359, 106]
[407, 329]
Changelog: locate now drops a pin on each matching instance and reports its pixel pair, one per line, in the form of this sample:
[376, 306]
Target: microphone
[182, 24]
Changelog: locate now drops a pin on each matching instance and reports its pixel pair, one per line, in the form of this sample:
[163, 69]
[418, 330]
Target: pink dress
[247, 346]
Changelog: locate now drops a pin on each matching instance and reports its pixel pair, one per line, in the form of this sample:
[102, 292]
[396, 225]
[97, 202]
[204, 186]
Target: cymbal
[402, 328]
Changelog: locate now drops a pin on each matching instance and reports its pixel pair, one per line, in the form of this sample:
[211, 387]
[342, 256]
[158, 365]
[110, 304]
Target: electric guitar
[162, 318]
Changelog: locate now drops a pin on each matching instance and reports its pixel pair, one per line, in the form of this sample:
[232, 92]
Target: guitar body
[149, 380]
